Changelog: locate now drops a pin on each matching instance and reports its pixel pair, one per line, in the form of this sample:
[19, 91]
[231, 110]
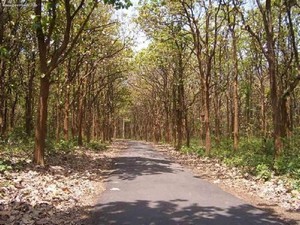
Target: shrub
[65, 145]
[263, 172]
[62, 146]
[194, 148]
[96, 146]
[296, 184]
[4, 166]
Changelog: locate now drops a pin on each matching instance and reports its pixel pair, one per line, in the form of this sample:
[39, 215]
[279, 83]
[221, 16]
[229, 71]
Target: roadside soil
[273, 196]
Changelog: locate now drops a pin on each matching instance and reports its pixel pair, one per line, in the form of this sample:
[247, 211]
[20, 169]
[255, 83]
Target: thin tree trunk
[41, 122]
[207, 120]
[12, 112]
[66, 115]
[235, 95]
[187, 131]
[58, 122]
[263, 111]
[217, 118]
[29, 99]
[180, 106]
[80, 120]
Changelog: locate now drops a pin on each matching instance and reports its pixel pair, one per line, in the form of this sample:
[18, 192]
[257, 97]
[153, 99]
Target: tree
[232, 21]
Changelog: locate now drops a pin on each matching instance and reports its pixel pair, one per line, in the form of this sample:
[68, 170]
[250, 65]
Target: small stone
[217, 181]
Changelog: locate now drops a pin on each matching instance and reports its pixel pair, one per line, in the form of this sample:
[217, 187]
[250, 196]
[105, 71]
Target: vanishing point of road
[146, 188]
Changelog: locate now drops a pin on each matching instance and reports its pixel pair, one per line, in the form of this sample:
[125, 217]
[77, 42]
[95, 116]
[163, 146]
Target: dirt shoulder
[273, 196]
[61, 193]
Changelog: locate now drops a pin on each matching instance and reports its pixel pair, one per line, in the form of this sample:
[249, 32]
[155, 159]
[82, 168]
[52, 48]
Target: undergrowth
[16, 149]
[68, 146]
[256, 156]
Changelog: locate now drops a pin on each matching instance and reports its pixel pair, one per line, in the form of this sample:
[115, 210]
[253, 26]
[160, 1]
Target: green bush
[62, 146]
[66, 146]
[69, 146]
[296, 184]
[4, 166]
[18, 136]
[251, 153]
[296, 173]
[233, 161]
[263, 172]
[17, 141]
[194, 148]
[288, 165]
[96, 146]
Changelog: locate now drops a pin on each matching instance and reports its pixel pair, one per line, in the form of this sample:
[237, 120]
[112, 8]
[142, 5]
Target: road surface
[146, 188]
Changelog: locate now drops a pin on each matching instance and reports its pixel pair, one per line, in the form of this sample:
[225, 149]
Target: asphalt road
[148, 189]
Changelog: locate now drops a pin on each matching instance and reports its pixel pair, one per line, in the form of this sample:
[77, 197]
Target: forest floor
[273, 195]
[61, 193]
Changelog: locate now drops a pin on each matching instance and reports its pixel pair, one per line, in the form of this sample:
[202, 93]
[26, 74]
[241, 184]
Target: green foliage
[4, 166]
[18, 136]
[66, 147]
[119, 4]
[194, 148]
[288, 165]
[251, 154]
[263, 172]
[96, 146]
[223, 150]
[296, 184]
[289, 162]
[234, 161]
[256, 156]
[3, 52]
[16, 142]
[61, 146]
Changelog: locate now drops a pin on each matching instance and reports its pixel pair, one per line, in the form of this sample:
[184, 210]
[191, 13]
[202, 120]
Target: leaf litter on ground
[61, 193]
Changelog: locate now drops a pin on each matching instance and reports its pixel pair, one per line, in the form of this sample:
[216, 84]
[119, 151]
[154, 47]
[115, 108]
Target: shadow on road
[129, 168]
[171, 213]
[190, 203]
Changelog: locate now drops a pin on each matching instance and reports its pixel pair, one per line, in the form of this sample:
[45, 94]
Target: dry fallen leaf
[59, 194]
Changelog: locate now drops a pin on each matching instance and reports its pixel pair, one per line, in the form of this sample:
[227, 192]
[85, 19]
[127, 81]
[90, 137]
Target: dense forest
[219, 78]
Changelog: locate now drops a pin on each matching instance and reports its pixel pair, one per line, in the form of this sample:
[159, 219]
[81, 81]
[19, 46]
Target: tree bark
[180, 103]
[29, 98]
[58, 121]
[235, 94]
[66, 115]
[41, 122]
[207, 119]
[80, 113]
